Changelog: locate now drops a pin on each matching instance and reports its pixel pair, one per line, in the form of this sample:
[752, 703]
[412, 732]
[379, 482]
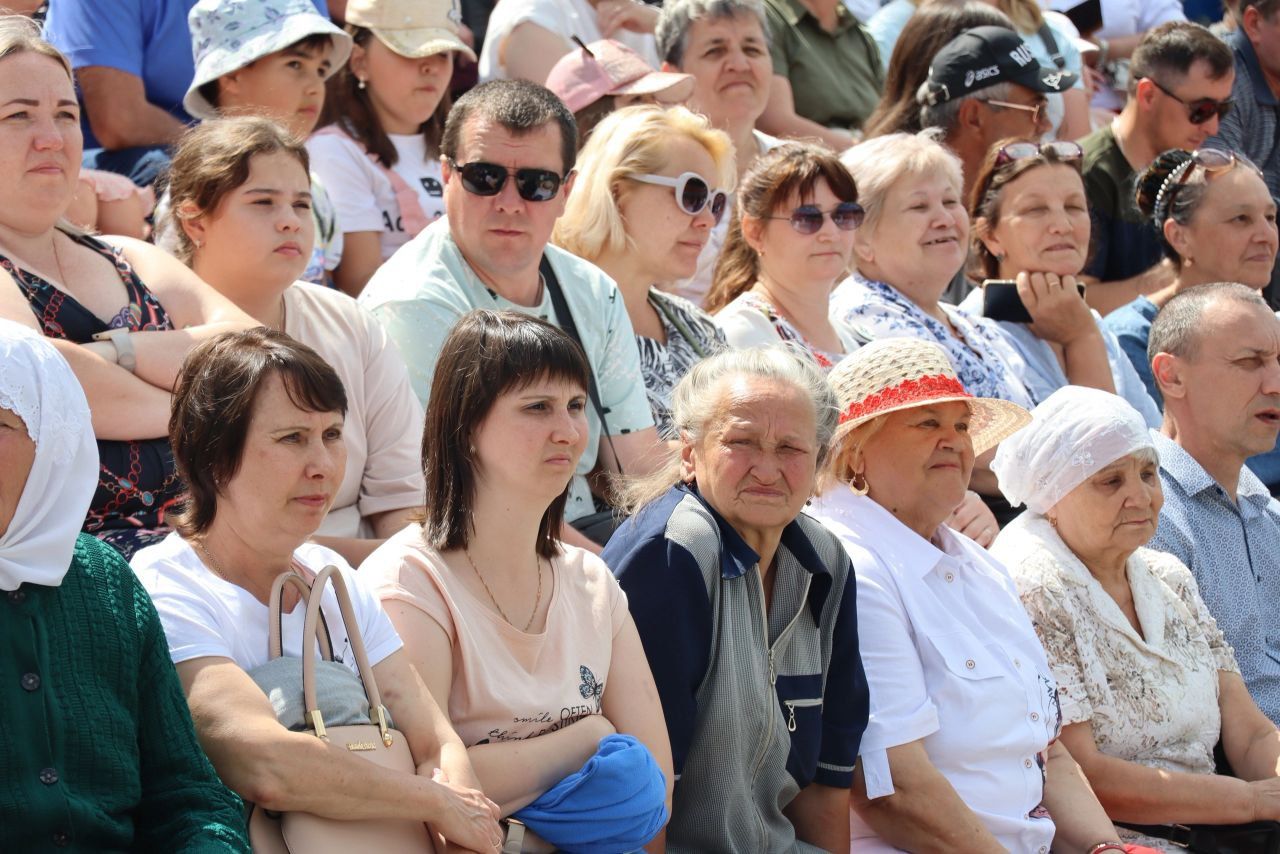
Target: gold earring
[859, 488]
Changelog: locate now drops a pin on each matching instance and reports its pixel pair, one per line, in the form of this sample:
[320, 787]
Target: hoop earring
[1053, 522]
[859, 488]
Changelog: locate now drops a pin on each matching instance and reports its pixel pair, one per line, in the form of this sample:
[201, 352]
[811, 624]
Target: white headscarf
[1075, 433]
[37, 384]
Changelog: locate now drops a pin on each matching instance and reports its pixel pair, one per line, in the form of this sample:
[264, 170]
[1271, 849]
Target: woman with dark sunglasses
[652, 184]
[1031, 226]
[791, 242]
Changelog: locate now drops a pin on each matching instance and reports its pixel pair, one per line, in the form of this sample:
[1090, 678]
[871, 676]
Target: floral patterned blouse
[1150, 698]
[752, 321]
[691, 336]
[985, 360]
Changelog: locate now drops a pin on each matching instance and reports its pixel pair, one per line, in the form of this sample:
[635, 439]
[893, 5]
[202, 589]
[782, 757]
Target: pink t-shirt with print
[509, 685]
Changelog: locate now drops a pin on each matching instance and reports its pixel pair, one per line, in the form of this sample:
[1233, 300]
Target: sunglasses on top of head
[808, 219]
[488, 179]
[1062, 149]
[693, 193]
[1200, 110]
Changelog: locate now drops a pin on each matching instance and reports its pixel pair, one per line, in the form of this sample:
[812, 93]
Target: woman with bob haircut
[257, 434]
[652, 185]
[240, 195]
[526, 641]
[747, 609]
[796, 214]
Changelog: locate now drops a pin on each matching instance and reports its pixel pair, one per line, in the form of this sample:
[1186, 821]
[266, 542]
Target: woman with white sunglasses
[652, 183]
[793, 240]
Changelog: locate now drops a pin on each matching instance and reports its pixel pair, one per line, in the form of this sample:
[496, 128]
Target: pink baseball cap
[606, 67]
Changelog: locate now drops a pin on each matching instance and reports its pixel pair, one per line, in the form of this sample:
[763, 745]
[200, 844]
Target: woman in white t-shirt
[257, 436]
[378, 148]
[250, 241]
[525, 641]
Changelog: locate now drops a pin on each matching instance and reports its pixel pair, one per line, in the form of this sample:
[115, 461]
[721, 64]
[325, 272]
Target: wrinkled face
[263, 229]
[1004, 122]
[1232, 379]
[922, 237]
[918, 463]
[1231, 237]
[1113, 512]
[404, 91]
[40, 139]
[529, 444]
[287, 85]
[756, 462]
[661, 233]
[291, 467]
[729, 60]
[504, 235]
[1168, 122]
[1044, 223]
[817, 260]
[17, 455]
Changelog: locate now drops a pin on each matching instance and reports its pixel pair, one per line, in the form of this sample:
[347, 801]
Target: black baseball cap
[982, 57]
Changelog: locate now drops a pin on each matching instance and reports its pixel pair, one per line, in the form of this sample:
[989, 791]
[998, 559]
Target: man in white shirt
[508, 151]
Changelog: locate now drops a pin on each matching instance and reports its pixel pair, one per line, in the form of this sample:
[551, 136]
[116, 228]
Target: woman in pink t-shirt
[525, 641]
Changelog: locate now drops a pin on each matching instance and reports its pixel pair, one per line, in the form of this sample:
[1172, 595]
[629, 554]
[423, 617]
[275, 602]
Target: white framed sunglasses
[692, 191]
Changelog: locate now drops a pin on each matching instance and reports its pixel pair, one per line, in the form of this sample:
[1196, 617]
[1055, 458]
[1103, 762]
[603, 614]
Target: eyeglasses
[693, 194]
[1061, 149]
[1211, 160]
[1200, 110]
[1037, 110]
[808, 219]
[488, 179]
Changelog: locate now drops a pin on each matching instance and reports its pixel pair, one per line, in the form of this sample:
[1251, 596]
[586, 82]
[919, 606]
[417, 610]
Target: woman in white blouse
[1147, 683]
[960, 753]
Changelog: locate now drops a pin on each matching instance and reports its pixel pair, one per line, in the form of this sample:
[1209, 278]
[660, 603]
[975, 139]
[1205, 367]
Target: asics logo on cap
[1022, 55]
[971, 77]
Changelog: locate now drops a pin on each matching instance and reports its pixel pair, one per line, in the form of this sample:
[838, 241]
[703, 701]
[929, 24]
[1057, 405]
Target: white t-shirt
[563, 17]
[205, 616]
[362, 193]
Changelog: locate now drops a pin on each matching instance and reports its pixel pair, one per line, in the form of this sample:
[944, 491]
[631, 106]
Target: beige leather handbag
[305, 833]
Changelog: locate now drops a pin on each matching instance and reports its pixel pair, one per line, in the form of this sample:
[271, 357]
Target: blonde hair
[20, 34]
[878, 164]
[631, 141]
[1025, 14]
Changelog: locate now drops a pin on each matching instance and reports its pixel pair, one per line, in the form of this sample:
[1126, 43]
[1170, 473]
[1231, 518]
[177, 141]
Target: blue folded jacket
[615, 803]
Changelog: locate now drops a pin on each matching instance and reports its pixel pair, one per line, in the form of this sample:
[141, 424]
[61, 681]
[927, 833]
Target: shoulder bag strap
[1046, 35]
[565, 317]
[276, 622]
[376, 709]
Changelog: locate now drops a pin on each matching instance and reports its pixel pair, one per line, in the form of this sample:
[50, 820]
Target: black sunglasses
[808, 219]
[692, 192]
[488, 179]
[1200, 110]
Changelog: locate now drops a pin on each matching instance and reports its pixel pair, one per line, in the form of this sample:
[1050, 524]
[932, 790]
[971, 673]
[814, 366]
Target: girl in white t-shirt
[257, 436]
[377, 150]
[526, 641]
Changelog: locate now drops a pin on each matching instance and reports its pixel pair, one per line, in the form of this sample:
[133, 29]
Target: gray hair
[672, 30]
[945, 114]
[878, 164]
[696, 399]
[1179, 324]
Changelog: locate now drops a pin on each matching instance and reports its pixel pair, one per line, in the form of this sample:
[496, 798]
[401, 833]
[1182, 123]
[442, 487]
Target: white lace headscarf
[1075, 433]
[37, 384]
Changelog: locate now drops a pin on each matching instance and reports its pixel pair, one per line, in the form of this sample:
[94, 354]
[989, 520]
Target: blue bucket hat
[227, 35]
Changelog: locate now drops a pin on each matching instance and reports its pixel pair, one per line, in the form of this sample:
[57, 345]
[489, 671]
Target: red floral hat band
[905, 393]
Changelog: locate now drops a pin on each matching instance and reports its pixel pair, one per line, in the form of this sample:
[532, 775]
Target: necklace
[209, 559]
[57, 260]
[536, 602]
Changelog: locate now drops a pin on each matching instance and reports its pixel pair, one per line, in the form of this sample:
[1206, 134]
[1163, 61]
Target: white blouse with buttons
[952, 661]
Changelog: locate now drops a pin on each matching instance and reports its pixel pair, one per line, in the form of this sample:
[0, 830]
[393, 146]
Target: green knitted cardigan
[97, 750]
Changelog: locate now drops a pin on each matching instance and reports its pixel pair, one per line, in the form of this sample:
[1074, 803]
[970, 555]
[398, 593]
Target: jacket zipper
[792, 705]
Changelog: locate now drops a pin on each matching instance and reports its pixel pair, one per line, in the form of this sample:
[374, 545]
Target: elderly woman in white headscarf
[1146, 681]
[97, 747]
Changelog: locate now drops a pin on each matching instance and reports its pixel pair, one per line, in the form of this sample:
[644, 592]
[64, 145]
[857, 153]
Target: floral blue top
[985, 361]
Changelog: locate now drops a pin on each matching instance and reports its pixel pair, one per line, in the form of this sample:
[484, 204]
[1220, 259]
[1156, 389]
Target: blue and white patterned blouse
[984, 360]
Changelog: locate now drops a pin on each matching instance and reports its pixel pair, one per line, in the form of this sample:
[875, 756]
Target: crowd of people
[886, 397]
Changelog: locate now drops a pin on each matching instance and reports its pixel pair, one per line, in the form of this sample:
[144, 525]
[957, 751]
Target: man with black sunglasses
[1179, 88]
[508, 152]
[1253, 126]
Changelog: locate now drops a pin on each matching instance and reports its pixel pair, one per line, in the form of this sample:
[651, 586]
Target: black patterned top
[137, 480]
[691, 336]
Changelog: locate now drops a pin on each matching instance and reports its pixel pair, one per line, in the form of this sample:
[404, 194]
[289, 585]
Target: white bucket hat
[227, 35]
[412, 28]
[891, 374]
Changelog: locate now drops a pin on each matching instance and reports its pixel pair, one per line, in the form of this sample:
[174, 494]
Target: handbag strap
[565, 317]
[1051, 44]
[275, 623]
[376, 709]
